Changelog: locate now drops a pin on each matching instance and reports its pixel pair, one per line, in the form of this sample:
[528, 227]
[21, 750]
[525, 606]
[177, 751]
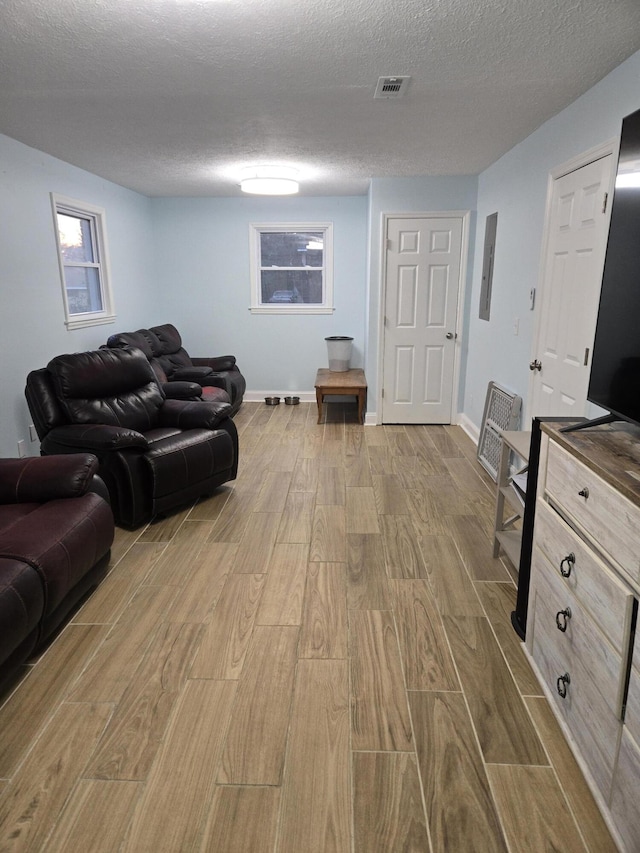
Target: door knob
[535, 365]
[449, 335]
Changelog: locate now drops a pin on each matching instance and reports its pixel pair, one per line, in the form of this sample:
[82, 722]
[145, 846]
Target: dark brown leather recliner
[154, 454]
[145, 340]
[215, 370]
[55, 540]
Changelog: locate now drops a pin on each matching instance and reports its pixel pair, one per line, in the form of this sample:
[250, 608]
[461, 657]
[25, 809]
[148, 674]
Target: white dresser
[584, 586]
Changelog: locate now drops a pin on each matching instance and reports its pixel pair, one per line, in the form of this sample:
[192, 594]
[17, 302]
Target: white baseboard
[258, 396]
[469, 427]
[370, 418]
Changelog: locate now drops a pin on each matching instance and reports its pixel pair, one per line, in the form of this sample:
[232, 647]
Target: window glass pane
[76, 243]
[83, 289]
[291, 249]
[291, 286]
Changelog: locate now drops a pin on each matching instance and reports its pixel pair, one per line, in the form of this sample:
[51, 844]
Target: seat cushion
[215, 395]
[11, 514]
[62, 540]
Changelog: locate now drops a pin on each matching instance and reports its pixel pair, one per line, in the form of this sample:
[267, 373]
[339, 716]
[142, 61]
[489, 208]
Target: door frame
[610, 146]
[465, 216]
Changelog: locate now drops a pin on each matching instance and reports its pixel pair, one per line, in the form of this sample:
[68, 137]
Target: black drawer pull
[561, 684]
[562, 619]
[570, 560]
[584, 493]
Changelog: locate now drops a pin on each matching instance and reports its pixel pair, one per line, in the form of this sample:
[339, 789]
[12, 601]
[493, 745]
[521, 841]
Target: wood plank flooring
[316, 659]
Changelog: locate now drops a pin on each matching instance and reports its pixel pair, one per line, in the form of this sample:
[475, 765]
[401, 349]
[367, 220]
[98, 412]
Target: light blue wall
[408, 195]
[203, 285]
[187, 261]
[32, 326]
[516, 187]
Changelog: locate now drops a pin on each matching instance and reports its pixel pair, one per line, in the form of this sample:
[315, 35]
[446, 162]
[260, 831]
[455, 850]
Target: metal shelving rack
[510, 500]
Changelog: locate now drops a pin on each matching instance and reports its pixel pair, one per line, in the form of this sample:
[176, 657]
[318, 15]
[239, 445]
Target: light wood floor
[317, 658]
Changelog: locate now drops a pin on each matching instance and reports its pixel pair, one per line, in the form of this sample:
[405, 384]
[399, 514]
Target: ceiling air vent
[391, 87]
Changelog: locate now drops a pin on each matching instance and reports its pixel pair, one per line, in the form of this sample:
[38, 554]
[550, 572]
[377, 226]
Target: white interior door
[423, 264]
[572, 274]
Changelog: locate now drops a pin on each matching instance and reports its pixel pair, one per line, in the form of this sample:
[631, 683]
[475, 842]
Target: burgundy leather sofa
[55, 540]
[154, 454]
[149, 343]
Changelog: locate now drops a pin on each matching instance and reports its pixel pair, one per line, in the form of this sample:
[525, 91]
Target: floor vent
[391, 87]
[501, 412]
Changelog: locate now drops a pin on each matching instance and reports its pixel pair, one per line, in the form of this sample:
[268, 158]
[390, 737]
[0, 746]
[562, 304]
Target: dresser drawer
[605, 516]
[574, 638]
[592, 724]
[607, 599]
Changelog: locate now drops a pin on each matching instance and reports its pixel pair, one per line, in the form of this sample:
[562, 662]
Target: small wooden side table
[347, 382]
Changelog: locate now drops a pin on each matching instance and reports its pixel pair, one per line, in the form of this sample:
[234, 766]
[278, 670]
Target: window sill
[290, 309]
[85, 321]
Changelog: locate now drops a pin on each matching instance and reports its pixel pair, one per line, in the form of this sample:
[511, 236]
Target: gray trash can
[339, 347]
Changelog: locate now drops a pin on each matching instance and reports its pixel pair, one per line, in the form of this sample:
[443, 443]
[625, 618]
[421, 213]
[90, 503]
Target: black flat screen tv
[614, 382]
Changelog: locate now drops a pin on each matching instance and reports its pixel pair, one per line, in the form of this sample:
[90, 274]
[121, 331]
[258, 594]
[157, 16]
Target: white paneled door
[423, 267]
[577, 229]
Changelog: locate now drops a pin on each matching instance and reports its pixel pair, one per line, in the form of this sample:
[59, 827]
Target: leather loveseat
[172, 363]
[154, 454]
[149, 343]
[55, 540]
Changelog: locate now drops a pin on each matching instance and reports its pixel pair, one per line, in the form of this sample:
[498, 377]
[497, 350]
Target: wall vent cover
[391, 87]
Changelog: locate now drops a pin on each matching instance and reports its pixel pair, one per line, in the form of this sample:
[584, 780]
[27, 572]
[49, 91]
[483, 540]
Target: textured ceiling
[174, 97]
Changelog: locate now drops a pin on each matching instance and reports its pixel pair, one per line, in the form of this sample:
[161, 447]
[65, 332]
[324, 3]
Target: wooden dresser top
[611, 451]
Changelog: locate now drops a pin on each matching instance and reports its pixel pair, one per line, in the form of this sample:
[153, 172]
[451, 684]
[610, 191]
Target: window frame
[97, 218]
[256, 229]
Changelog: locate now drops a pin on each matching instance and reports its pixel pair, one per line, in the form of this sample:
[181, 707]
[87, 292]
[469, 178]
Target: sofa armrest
[44, 478]
[191, 374]
[182, 390]
[218, 362]
[91, 438]
[193, 415]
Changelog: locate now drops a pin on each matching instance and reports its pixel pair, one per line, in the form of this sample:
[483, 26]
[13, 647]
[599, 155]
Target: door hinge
[389, 246]
[586, 356]
[604, 203]
[382, 394]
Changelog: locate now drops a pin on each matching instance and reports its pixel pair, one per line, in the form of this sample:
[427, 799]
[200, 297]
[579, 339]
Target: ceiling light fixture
[269, 180]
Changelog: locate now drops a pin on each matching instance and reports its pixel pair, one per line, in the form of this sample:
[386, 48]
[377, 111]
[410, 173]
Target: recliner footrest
[186, 467]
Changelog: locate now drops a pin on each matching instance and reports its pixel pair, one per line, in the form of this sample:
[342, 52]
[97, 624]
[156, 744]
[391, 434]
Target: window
[82, 253]
[292, 268]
